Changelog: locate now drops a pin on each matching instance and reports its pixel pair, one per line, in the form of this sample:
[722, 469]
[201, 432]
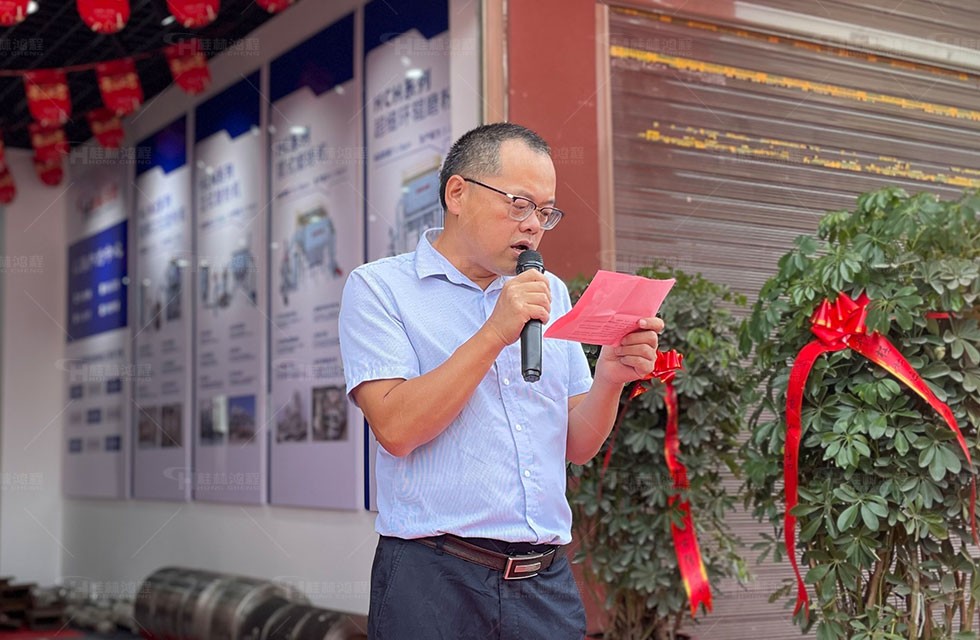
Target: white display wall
[118, 542]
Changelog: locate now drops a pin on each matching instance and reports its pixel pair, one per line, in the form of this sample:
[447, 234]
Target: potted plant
[622, 510]
[884, 486]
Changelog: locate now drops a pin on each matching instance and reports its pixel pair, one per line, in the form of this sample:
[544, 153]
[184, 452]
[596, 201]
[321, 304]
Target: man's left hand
[634, 357]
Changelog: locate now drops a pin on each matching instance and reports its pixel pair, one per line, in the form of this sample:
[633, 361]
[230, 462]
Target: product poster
[161, 413]
[407, 113]
[317, 239]
[231, 216]
[97, 362]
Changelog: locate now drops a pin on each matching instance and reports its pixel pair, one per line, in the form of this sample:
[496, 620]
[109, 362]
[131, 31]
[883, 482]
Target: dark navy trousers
[420, 593]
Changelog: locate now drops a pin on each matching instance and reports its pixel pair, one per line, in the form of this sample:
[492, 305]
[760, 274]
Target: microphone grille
[530, 259]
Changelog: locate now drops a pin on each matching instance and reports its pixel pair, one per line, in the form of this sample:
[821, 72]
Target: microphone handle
[531, 351]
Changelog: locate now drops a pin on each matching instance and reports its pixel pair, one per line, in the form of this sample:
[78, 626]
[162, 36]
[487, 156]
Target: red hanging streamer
[104, 16]
[119, 85]
[694, 575]
[47, 96]
[12, 12]
[194, 14]
[8, 190]
[106, 127]
[49, 171]
[839, 326]
[274, 6]
[189, 66]
[48, 142]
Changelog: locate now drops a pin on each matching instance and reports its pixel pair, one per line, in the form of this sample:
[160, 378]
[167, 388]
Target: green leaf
[901, 444]
[879, 507]
[869, 517]
[951, 460]
[937, 468]
[847, 517]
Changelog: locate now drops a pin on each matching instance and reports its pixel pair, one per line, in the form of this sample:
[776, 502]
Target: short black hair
[477, 152]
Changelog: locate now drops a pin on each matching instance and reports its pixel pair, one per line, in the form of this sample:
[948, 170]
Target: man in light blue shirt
[471, 469]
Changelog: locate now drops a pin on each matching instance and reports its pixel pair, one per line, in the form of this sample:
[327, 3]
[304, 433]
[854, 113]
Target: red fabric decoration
[8, 190]
[49, 171]
[106, 127]
[840, 325]
[690, 562]
[104, 16]
[189, 66]
[47, 96]
[274, 6]
[194, 14]
[12, 12]
[120, 86]
[48, 142]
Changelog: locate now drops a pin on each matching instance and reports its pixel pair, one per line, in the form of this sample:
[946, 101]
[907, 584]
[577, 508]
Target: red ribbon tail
[794, 433]
[686, 547]
[881, 351]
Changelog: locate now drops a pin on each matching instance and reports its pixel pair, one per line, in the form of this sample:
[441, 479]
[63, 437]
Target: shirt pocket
[554, 372]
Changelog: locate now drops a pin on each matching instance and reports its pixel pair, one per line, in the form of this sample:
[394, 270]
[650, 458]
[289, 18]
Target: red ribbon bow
[834, 323]
[686, 547]
[838, 326]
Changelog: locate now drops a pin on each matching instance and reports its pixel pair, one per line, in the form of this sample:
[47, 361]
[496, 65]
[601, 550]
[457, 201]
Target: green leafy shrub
[884, 488]
[622, 519]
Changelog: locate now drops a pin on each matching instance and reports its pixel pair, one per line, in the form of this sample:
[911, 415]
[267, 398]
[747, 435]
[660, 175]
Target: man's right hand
[524, 297]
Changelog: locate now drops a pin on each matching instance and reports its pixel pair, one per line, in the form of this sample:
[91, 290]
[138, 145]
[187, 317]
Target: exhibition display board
[316, 239]
[229, 177]
[97, 364]
[164, 261]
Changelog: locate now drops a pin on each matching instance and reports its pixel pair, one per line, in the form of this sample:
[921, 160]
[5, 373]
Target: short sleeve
[373, 341]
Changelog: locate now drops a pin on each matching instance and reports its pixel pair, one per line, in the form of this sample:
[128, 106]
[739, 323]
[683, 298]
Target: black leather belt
[517, 567]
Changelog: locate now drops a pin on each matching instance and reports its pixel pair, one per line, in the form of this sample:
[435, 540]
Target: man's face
[492, 239]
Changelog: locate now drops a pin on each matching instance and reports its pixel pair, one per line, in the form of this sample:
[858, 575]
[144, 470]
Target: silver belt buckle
[523, 567]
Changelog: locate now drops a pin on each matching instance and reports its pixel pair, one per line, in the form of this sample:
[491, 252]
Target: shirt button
[506, 381]
[518, 427]
[527, 473]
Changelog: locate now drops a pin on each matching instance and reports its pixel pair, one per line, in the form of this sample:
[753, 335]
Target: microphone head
[530, 259]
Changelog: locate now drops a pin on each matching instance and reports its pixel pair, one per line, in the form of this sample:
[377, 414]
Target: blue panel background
[167, 148]
[82, 277]
[320, 63]
[236, 110]
[387, 19]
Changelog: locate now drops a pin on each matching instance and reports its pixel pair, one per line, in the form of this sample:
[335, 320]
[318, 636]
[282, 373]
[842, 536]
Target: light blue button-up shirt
[498, 470]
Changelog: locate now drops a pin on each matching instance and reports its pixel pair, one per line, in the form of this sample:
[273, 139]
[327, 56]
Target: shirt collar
[429, 262]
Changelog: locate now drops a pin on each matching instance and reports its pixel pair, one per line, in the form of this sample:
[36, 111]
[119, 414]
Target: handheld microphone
[531, 333]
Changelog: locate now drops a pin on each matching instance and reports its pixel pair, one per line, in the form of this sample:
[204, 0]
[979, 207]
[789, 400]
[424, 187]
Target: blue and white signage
[317, 239]
[408, 128]
[161, 416]
[97, 283]
[229, 191]
[96, 364]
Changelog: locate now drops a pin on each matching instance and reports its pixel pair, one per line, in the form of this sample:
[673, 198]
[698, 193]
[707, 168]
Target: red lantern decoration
[106, 127]
[274, 6]
[189, 66]
[49, 171]
[48, 142]
[194, 14]
[8, 190]
[12, 12]
[47, 96]
[104, 16]
[119, 85]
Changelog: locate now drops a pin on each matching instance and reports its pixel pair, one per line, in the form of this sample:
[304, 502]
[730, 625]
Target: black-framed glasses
[521, 208]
